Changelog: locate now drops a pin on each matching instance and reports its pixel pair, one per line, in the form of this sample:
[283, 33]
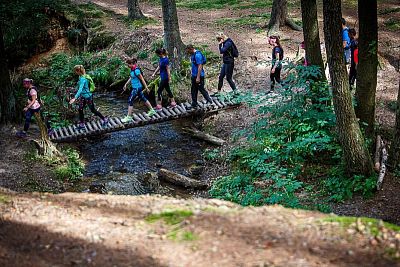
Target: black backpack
[235, 51]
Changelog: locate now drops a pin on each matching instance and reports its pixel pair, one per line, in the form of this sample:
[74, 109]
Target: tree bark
[357, 158]
[44, 145]
[7, 97]
[368, 63]
[311, 34]
[172, 36]
[394, 158]
[134, 11]
[279, 17]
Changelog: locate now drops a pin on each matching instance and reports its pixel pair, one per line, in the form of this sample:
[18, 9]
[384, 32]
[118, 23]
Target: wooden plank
[162, 113]
[147, 117]
[61, 132]
[113, 123]
[182, 105]
[167, 113]
[56, 134]
[173, 114]
[119, 122]
[177, 111]
[141, 117]
[98, 123]
[136, 118]
[94, 126]
[187, 105]
[71, 129]
[181, 109]
[157, 115]
[200, 104]
[218, 103]
[89, 126]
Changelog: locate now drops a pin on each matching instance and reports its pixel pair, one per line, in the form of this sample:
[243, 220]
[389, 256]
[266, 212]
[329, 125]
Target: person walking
[354, 57]
[32, 107]
[85, 97]
[229, 51]
[346, 42]
[165, 78]
[137, 82]
[198, 60]
[277, 57]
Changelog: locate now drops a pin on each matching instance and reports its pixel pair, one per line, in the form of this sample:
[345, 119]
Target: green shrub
[73, 169]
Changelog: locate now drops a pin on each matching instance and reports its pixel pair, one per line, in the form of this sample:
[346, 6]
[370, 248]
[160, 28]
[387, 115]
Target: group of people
[350, 46]
[84, 96]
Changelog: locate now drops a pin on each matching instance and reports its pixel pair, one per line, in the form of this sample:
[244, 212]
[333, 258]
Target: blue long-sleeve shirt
[226, 50]
[83, 90]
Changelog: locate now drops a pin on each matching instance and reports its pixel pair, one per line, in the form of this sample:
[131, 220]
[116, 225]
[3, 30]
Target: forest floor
[75, 229]
[102, 230]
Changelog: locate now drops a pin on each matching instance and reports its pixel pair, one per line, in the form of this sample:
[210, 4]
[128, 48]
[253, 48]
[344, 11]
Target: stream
[126, 162]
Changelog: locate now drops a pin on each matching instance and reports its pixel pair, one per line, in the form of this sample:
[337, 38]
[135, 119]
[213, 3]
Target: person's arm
[199, 69]
[143, 82]
[224, 47]
[30, 103]
[155, 72]
[81, 85]
[126, 84]
[344, 44]
[169, 73]
[276, 62]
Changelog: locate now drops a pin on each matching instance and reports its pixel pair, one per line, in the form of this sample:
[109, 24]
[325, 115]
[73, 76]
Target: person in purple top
[198, 60]
[165, 78]
[226, 47]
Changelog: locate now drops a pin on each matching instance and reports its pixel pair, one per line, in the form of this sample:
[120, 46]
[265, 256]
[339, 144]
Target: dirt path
[96, 230]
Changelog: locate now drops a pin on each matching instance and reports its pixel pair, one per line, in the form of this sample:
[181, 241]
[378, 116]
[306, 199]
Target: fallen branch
[179, 179]
[203, 136]
[382, 170]
[378, 148]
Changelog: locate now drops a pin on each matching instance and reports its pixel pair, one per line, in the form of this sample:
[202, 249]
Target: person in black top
[354, 57]
[228, 59]
[277, 57]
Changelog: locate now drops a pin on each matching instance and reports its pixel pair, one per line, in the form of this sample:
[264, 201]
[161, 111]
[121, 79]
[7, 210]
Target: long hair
[132, 61]
[276, 38]
[79, 69]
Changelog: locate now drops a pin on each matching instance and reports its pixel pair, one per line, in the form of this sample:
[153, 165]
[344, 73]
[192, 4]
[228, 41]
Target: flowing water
[124, 162]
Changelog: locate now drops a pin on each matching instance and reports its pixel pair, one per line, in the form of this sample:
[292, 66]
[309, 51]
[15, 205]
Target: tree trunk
[134, 11]
[172, 36]
[394, 158]
[311, 34]
[279, 17]
[7, 97]
[368, 63]
[357, 158]
[204, 136]
[180, 180]
[44, 145]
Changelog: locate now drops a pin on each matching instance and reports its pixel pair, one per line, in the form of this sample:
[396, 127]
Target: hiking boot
[21, 134]
[81, 126]
[158, 108]
[151, 112]
[127, 119]
[104, 122]
[172, 105]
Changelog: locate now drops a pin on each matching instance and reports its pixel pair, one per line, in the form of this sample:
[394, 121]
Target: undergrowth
[73, 169]
[294, 131]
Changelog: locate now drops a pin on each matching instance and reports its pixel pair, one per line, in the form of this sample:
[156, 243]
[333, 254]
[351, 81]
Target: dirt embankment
[96, 230]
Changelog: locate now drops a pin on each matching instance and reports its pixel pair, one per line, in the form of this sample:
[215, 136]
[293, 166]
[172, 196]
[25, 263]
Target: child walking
[137, 81]
[165, 78]
[85, 97]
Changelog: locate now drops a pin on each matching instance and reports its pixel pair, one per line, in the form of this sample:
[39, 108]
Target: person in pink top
[32, 107]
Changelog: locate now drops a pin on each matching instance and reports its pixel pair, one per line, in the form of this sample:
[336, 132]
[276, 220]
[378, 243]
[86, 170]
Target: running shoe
[158, 108]
[104, 122]
[127, 119]
[151, 112]
[81, 126]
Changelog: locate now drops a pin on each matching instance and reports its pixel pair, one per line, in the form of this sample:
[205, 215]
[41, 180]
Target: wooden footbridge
[93, 128]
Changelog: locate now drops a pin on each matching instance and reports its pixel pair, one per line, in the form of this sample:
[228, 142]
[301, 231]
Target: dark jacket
[226, 50]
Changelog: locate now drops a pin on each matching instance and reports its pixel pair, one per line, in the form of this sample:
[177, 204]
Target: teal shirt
[83, 85]
[135, 81]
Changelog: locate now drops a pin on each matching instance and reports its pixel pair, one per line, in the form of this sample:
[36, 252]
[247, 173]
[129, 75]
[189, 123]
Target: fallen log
[179, 179]
[203, 136]
[378, 148]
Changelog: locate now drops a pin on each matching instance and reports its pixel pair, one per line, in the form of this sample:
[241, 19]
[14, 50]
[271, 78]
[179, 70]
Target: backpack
[92, 86]
[204, 60]
[235, 51]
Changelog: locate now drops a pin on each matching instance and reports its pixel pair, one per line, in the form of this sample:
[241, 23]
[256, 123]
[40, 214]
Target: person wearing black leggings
[226, 49]
[277, 57]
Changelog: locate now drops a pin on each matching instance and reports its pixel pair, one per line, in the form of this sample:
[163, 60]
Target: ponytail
[79, 69]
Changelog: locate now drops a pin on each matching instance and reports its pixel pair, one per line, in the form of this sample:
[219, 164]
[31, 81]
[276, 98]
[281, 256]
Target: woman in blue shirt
[85, 97]
[165, 78]
[137, 82]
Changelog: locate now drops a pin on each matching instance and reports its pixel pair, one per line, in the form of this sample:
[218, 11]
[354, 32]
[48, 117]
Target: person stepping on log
[137, 82]
[85, 97]
[165, 79]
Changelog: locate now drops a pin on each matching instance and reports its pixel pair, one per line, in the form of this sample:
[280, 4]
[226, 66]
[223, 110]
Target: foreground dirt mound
[102, 230]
